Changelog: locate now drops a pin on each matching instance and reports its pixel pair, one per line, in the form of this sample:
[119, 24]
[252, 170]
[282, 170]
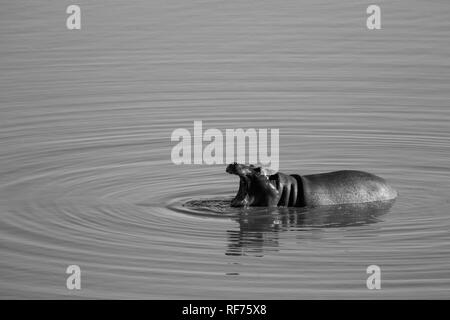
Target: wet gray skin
[331, 188]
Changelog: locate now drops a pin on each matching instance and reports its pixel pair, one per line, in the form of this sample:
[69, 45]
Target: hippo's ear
[259, 171]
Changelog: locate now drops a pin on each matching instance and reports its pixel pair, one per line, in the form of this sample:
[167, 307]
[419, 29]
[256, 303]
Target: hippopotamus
[256, 188]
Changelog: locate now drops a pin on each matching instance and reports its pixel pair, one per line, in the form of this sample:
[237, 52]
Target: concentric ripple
[86, 176]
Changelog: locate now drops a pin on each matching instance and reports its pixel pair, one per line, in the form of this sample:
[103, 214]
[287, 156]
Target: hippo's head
[243, 170]
[255, 188]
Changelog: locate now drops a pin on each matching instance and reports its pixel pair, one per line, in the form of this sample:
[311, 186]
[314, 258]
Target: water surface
[86, 176]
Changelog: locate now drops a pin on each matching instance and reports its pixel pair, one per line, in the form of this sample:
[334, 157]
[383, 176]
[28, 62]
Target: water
[85, 170]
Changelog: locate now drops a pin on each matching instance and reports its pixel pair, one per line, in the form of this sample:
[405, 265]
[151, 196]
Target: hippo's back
[346, 186]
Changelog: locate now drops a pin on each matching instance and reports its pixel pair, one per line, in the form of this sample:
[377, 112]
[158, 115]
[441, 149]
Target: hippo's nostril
[231, 168]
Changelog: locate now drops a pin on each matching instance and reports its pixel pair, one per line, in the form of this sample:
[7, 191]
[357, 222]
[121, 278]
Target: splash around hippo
[256, 188]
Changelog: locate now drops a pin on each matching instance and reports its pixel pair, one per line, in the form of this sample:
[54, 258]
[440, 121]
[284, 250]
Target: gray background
[86, 118]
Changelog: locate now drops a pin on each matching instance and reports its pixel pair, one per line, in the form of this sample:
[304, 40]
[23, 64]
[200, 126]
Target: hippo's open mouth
[244, 185]
[242, 197]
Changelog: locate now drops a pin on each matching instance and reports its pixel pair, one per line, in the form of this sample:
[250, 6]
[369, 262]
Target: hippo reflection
[259, 228]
